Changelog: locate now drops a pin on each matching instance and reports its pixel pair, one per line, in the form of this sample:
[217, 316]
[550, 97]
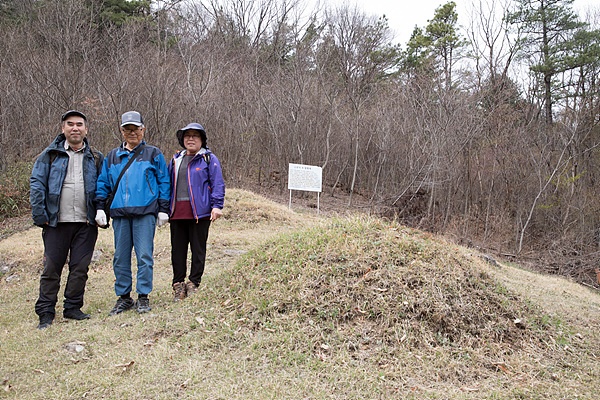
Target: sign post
[307, 178]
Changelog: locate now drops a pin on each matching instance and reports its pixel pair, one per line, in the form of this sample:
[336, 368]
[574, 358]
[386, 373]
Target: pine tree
[552, 36]
[436, 44]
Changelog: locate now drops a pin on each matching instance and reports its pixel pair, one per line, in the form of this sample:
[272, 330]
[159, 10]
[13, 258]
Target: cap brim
[73, 113]
[131, 123]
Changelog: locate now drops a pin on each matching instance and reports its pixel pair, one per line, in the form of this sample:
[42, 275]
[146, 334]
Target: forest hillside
[485, 132]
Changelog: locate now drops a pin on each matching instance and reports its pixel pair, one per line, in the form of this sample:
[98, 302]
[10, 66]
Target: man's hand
[101, 218]
[215, 214]
[163, 218]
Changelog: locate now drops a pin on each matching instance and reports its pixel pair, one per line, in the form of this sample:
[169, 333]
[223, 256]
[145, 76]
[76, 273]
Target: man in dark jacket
[62, 195]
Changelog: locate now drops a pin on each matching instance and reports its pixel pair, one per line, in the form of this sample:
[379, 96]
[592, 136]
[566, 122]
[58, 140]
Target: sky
[403, 15]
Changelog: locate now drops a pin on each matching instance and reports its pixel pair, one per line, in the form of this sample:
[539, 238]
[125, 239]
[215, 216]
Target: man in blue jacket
[62, 194]
[140, 203]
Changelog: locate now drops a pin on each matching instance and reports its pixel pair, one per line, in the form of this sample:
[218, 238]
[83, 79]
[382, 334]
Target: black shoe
[45, 321]
[122, 305]
[75, 313]
[143, 305]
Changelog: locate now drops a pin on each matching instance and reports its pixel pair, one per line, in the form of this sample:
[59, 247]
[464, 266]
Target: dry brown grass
[425, 314]
[299, 307]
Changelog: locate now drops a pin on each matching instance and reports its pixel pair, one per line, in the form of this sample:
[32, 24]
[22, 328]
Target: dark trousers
[73, 239]
[184, 233]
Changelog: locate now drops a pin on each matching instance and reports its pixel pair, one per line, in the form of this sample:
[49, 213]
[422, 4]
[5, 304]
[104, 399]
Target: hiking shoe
[45, 321]
[191, 288]
[143, 305]
[122, 305]
[75, 313]
[179, 291]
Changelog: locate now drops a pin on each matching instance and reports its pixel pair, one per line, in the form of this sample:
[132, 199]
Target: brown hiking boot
[191, 288]
[179, 291]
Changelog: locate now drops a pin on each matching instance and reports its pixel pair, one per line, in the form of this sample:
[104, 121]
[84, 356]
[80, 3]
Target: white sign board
[305, 177]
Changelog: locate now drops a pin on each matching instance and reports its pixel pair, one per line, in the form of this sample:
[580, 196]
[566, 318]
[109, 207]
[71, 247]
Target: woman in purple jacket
[197, 196]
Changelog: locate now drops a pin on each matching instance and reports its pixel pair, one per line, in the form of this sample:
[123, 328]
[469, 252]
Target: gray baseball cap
[132, 118]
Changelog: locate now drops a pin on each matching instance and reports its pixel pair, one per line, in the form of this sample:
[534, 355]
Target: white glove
[163, 218]
[101, 218]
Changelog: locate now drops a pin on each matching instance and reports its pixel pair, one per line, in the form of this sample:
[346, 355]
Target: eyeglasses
[191, 137]
[127, 131]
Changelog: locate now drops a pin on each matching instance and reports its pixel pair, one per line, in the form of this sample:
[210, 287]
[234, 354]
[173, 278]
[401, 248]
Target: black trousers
[73, 239]
[188, 233]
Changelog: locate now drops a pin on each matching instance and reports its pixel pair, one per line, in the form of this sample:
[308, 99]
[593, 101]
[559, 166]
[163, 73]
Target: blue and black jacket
[47, 177]
[145, 187]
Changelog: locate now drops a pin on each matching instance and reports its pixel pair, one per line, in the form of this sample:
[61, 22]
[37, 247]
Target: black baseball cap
[71, 113]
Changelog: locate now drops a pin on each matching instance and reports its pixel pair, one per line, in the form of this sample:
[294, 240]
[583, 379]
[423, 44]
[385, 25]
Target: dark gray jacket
[47, 178]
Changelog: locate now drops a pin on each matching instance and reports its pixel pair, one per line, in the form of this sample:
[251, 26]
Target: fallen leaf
[519, 323]
[503, 367]
[126, 366]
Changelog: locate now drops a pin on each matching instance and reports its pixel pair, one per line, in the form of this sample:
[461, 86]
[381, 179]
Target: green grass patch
[14, 190]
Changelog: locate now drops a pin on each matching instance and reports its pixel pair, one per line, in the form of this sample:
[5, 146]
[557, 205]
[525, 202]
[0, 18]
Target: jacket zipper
[192, 201]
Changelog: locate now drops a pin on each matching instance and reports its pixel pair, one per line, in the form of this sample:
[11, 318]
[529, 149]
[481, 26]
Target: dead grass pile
[383, 291]
[247, 208]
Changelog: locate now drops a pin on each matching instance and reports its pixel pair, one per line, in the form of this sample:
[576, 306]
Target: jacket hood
[183, 152]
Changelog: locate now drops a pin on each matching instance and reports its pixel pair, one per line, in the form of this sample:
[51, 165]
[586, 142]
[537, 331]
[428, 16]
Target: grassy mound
[374, 291]
[247, 208]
